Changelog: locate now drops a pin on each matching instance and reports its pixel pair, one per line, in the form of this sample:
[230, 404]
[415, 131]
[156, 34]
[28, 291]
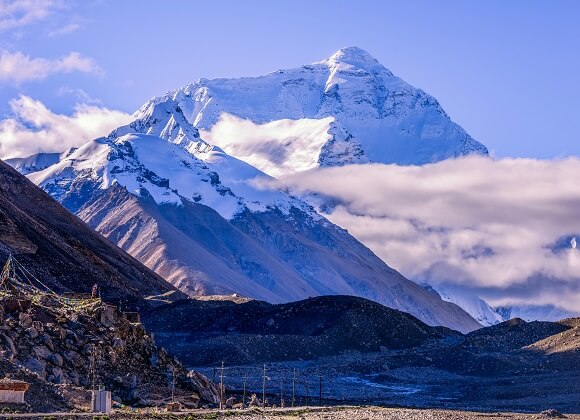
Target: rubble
[94, 346]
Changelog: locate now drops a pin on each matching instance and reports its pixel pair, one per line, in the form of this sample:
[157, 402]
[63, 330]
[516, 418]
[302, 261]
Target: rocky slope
[527, 367]
[60, 249]
[48, 344]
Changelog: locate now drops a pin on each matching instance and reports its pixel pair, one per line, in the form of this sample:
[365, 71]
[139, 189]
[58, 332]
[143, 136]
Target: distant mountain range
[487, 315]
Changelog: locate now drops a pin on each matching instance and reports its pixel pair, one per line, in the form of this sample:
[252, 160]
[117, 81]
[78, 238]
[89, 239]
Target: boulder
[74, 378]
[118, 343]
[32, 332]
[13, 305]
[204, 387]
[56, 376]
[108, 316]
[56, 359]
[73, 358]
[10, 344]
[59, 332]
[24, 320]
[47, 341]
[254, 402]
[41, 352]
[36, 365]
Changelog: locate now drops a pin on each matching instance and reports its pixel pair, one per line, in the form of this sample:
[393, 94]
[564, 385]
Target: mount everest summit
[177, 188]
[346, 109]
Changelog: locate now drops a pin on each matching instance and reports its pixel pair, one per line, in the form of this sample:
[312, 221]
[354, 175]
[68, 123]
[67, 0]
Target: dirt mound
[510, 335]
[256, 331]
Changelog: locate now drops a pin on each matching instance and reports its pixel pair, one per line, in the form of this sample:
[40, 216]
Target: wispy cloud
[35, 128]
[19, 13]
[65, 30]
[483, 224]
[79, 94]
[16, 68]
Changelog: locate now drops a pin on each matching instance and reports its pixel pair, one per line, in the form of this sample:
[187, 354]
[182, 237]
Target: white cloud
[277, 148]
[18, 13]
[487, 225]
[18, 67]
[34, 128]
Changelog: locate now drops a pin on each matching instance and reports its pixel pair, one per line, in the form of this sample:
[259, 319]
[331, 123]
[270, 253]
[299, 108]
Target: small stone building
[12, 391]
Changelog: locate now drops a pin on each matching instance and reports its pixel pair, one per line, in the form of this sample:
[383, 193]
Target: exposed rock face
[69, 346]
[266, 255]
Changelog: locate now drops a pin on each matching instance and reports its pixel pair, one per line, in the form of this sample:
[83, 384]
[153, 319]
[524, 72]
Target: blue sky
[506, 71]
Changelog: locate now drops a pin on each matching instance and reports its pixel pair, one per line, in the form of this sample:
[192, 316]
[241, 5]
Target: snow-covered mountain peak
[165, 120]
[355, 58]
[391, 121]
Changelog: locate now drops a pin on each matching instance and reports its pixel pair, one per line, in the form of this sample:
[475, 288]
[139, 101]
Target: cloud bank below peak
[485, 225]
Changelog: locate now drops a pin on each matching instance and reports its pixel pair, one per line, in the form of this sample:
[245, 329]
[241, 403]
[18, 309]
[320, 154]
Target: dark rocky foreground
[368, 354]
[252, 331]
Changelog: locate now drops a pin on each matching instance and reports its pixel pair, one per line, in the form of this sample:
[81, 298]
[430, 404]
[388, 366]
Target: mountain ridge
[58, 247]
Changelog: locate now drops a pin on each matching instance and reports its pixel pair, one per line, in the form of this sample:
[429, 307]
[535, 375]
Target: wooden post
[222, 387]
[282, 391]
[173, 384]
[293, 386]
[264, 388]
[244, 397]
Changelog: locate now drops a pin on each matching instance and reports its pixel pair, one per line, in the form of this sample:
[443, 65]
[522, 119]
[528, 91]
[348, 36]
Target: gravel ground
[371, 413]
[334, 413]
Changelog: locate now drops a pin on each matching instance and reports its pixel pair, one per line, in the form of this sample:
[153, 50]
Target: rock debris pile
[92, 346]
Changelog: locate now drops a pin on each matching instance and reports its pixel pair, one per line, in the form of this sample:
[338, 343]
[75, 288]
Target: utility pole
[293, 386]
[282, 391]
[320, 393]
[93, 367]
[307, 392]
[173, 384]
[222, 387]
[244, 397]
[264, 388]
